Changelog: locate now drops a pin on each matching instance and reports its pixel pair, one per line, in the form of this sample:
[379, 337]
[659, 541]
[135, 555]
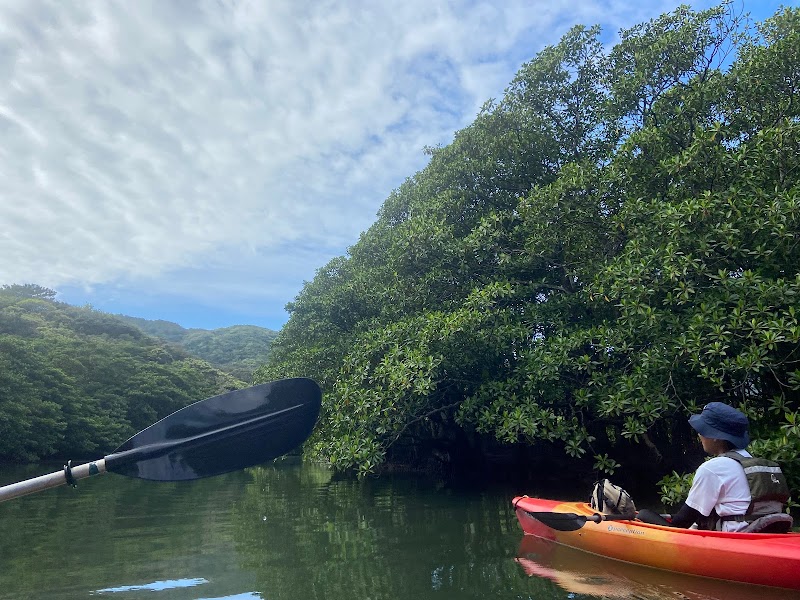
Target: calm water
[290, 531]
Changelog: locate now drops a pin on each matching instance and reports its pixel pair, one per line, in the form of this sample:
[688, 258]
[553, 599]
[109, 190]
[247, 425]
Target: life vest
[769, 491]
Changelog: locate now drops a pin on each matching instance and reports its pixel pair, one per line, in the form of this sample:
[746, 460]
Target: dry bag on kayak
[611, 499]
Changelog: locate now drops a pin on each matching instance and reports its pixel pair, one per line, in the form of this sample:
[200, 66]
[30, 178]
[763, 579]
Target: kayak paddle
[572, 522]
[218, 435]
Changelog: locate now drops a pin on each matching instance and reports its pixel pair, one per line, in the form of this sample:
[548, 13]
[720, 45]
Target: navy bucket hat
[722, 422]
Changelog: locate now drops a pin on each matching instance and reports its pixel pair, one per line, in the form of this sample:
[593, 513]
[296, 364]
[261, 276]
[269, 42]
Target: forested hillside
[609, 246]
[75, 382]
[238, 350]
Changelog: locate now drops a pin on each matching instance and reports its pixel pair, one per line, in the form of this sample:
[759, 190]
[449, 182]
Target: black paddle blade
[222, 434]
[560, 521]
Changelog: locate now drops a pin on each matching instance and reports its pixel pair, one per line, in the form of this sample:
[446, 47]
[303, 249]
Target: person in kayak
[723, 496]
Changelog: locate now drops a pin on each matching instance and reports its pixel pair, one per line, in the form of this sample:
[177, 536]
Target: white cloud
[185, 146]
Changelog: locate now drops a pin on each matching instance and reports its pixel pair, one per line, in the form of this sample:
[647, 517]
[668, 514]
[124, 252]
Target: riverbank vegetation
[76, 382]
[609, 246]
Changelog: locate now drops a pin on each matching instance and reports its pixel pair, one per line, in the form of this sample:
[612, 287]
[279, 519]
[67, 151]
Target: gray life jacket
[769, 491]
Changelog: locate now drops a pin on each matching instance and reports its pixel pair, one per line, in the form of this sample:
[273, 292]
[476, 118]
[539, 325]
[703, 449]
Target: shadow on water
[290, 531]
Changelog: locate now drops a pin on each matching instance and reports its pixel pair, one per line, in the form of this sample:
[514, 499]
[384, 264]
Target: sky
[197, 162]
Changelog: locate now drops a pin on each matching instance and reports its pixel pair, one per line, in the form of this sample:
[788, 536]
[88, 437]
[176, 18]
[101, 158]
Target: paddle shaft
[571, 521]
[51, 480]
[599, 518]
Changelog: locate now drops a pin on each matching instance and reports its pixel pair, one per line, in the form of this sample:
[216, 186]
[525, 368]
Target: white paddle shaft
[51, 480]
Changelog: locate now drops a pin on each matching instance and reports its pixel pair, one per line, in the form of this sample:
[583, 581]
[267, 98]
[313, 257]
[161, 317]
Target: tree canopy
[606, 248]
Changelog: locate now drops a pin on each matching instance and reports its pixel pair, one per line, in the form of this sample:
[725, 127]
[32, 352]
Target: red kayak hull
[755, 558]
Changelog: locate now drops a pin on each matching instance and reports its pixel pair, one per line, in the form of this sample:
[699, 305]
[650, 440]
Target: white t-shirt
[720, 484]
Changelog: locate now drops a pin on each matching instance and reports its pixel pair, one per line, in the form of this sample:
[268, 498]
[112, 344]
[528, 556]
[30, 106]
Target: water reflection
[579, 572]
[155, 586]
[248, 596]
[290, 532]
[318, 537]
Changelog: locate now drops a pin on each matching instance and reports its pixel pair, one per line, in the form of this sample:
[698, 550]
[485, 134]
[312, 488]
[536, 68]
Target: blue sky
[198, 161]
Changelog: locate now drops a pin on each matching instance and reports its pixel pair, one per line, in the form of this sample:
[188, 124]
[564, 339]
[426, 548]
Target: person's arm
[685, 517]
[703, 496]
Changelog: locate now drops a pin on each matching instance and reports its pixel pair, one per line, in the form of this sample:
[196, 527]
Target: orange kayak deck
[755, 558]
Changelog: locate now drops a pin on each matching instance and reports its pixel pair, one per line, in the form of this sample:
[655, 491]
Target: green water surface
[292, 532]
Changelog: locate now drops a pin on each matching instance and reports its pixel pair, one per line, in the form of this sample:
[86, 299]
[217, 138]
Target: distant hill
[238, 350]
[75, 382]
[165, 330]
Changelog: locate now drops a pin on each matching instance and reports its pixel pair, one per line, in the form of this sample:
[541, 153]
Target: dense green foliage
[238, 350]
[75, 381]
[609, 246]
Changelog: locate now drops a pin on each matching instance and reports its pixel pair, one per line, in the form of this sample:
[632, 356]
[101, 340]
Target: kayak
[769, 559]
